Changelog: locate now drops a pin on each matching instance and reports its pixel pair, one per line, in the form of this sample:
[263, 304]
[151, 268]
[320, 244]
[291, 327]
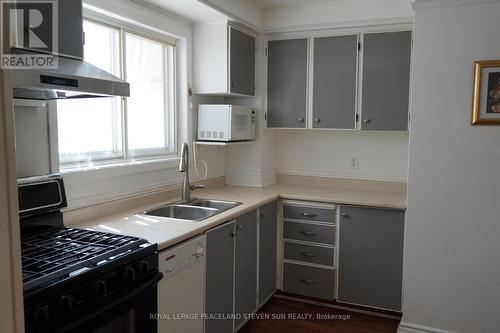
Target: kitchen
[251, 166]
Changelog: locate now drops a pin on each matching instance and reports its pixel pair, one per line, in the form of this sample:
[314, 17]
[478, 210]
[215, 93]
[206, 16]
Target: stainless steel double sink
[195, 210]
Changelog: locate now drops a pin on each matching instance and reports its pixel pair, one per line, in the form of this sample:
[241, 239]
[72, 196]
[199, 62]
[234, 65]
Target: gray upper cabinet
[386, 81]
[220, 277]
[242, 63]
[287, 83]
[245, 297]
[334, 87]
[371, 257]
[267, 251]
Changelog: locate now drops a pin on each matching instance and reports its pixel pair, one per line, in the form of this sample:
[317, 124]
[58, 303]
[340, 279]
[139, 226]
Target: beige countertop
[168, 232]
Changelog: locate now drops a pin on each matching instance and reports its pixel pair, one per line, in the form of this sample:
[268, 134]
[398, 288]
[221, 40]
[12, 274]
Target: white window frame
[138, 156]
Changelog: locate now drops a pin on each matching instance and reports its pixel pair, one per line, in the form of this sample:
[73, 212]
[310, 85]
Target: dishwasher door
[181, 292]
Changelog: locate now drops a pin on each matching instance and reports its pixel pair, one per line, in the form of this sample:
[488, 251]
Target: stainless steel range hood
[73, 79]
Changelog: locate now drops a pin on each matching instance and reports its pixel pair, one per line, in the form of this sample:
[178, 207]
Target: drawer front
[310, 253]
[309, 232]
[298, 212]
[309, 281]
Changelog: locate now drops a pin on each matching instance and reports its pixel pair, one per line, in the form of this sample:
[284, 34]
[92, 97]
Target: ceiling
[191, 10]
[284, 3]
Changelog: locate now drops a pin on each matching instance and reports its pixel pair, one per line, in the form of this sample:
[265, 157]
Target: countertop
[167, 232]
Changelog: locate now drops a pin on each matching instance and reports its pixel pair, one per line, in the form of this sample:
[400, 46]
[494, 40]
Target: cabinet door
[245, 283]
[242, 63]
[335, 71]
[220, 277]
[267, 250]
[371, 257]
[287, 83]
[386, 81]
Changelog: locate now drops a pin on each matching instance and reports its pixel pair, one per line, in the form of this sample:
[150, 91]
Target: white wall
[382, 155]
[335, 13]
[452, 271]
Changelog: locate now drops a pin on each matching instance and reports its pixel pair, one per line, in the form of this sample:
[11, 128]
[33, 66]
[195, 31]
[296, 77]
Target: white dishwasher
[181, 292]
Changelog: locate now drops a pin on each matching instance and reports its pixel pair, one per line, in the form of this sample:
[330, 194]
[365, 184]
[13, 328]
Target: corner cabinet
[371, 257]
[353, 82]
[287, 83]
[223, 60]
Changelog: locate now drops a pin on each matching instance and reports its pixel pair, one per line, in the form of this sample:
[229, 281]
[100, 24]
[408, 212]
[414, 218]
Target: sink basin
[217, 204]
[194, 211]
[183, 212]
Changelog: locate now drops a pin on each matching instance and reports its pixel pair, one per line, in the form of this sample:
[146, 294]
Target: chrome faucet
[184, 167]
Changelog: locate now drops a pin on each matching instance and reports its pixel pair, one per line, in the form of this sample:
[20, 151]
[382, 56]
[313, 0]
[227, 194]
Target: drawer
[309, 281]
[309, 232]
[310, 253]
[299, 212]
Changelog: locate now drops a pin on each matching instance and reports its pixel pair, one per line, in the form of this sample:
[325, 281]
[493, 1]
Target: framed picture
[486, 101]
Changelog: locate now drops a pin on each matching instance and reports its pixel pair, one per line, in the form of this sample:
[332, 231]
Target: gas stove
[81, 280]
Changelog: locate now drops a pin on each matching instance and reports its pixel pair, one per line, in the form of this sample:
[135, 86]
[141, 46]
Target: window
[112, 129]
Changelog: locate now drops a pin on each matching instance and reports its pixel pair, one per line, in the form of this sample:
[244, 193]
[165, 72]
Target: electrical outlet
[355, 163]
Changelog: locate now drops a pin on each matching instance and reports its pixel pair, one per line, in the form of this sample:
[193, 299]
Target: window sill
[104, 171]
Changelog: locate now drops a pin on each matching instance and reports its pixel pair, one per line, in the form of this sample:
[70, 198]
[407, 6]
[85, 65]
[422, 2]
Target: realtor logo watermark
[29, 34]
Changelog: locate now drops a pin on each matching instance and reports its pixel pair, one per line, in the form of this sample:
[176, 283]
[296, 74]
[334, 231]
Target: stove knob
[40, 314]
[128, 274]
[66, 303]
[144, 267]
[100, 288]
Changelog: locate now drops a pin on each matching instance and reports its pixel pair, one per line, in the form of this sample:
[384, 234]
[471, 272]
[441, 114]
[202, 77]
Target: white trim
[372, 23]
[405, 327]
[425, 4]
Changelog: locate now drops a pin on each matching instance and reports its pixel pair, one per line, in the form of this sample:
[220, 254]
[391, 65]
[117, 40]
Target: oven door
[133, 312]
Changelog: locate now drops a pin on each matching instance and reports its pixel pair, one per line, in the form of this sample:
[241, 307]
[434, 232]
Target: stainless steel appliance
[225, 122]
[78, 280]
[74, 78]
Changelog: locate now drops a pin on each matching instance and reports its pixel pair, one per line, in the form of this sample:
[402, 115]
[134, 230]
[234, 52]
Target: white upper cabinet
[223, 60]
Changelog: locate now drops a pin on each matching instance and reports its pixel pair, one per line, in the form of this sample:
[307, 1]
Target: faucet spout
[184, 167]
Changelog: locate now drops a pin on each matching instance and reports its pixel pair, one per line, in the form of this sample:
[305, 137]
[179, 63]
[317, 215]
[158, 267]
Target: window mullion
[124, 103]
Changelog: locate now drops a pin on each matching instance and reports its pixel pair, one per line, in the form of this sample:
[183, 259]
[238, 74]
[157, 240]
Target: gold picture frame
[486, 98]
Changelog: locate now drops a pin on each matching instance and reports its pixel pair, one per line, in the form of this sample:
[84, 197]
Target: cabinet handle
[262, 215]
[310, 255]
[345, 215]
[233, 234]
[306, 281]
[318, 120]
[306, 214]
[233, 84]
[301, 120]
[309, 233]
[170, 257]
[239, 227]
[367, 121]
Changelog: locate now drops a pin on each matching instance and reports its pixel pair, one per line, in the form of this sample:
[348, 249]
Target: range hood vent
[73, 79]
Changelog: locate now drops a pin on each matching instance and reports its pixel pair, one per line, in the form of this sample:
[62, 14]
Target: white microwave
[225, 122]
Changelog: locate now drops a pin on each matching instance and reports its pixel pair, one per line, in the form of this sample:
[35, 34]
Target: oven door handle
[76, 325]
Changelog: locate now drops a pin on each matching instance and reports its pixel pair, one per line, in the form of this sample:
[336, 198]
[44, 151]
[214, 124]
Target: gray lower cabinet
[287, 83]
[371, 257]
[309, 281]
[335, 77]
[386, 81]
[245, 281]
[220, 277]
[267, 250]
[242, 63]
